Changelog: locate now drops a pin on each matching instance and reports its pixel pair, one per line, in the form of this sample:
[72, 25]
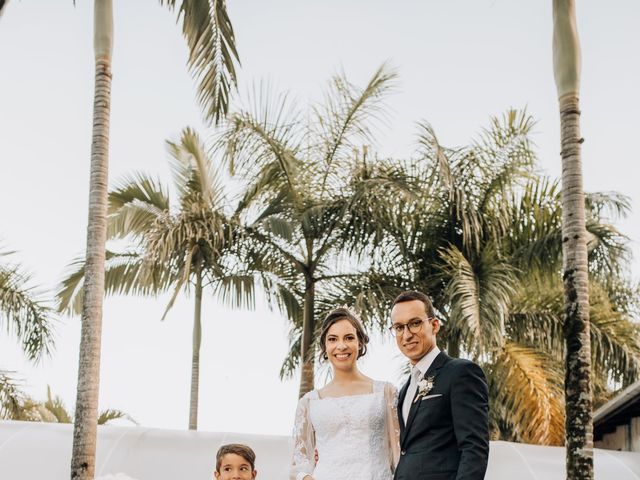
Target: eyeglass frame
[405, 326]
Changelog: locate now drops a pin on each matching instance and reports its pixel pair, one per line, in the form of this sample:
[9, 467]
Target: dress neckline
[373, 391]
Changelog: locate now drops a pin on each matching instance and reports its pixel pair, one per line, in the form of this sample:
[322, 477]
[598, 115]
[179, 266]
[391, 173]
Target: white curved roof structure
[36, 451]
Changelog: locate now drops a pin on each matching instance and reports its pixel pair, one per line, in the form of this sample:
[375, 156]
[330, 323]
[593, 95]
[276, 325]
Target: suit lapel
[437, 364]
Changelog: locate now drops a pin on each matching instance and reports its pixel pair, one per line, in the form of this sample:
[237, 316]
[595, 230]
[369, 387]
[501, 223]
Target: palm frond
[56, 407]
[106, 416]
[12, 397]
[534, 238]
[347, 116]
[463, 293]
[134, 204]
[177, 287]
[615, 338]
[125, 273]
[536, 315]
[478, 295]
[609, 251]
[527, 393]
[23, 314]
[212, 52]
[195, 177]
[236, 290]
[610, 206]
[271, 135]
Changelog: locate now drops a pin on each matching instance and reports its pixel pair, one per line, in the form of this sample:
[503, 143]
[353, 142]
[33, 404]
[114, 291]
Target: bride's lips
[342, 356]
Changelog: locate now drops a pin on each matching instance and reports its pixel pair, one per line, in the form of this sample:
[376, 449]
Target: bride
[349, 428]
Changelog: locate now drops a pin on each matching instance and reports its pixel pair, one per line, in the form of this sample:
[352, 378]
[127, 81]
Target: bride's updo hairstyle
[336, 315]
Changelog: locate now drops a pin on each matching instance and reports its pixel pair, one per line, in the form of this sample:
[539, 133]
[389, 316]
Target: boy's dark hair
[239, 449]
[411, 295]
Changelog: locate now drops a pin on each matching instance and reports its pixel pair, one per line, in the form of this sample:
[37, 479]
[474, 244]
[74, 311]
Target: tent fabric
[37, 451]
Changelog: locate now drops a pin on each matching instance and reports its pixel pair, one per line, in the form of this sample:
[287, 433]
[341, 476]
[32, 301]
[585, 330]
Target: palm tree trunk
[195, 357]
[308, 328]
[453, 345]
[86, 415]
[578, 397]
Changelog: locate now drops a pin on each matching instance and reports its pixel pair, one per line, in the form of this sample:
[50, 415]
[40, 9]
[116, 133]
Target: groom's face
[414, 346]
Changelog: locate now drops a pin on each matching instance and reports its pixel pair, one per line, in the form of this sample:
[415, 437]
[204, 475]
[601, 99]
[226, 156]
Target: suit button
[402, 452]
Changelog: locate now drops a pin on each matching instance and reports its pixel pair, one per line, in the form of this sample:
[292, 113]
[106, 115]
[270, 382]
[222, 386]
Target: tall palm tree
[209, 34]
[192, 244]
[480, 231]
[298, 193]
[85, 428]
[566, 65]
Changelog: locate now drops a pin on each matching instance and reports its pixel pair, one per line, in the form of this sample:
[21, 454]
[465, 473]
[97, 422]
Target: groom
[443, 407]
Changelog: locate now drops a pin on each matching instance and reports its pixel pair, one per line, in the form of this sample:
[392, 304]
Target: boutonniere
[424, 387]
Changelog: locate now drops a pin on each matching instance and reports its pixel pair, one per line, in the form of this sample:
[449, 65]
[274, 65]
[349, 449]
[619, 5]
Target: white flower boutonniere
[424, 387]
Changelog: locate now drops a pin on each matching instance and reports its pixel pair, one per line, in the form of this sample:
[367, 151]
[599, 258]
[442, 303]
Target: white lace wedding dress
[356, 437]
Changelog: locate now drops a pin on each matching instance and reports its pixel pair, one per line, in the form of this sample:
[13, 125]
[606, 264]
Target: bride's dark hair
[336, 315]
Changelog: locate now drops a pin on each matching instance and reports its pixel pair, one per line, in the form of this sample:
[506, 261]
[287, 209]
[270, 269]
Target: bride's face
[342, 345]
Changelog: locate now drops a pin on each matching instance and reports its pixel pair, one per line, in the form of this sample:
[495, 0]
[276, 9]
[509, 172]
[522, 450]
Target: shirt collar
[425, 362]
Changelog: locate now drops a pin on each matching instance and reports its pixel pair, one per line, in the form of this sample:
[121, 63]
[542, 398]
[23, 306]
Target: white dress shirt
[417, 372]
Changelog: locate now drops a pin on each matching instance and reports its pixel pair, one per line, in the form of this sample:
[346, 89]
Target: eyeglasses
[414, 326]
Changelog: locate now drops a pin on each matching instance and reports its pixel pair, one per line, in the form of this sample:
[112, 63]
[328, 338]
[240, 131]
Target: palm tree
[85, 428]
[566, 65]
[54, 410]
[191, 245]
[480, 231]
[27, 317]
[22, 313]
[11, 396]
[16, 405]
[298, 193]
[212, 50]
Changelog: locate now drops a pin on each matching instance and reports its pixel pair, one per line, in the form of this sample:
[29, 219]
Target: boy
[235, 462]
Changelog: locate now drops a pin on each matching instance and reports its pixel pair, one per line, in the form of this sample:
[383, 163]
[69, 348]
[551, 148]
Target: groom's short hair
[411, 295]
[239, 449]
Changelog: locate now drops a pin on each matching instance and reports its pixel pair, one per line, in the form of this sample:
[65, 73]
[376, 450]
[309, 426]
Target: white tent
[37, 451]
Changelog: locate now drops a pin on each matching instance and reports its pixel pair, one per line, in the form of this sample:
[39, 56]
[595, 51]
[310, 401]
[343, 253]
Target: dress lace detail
[357, 437]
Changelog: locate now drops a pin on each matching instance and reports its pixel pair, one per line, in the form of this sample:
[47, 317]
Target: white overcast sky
[459, 62]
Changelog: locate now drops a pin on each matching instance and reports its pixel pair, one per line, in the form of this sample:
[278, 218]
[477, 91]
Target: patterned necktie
[411, 392]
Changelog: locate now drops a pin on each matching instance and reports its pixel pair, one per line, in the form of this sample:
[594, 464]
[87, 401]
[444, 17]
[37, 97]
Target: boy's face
[235, 467]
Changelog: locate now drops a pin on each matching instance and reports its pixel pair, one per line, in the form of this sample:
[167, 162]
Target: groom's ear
[436, 324]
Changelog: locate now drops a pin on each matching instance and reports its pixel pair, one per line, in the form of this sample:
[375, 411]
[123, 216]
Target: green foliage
[166, 245]
[480, 230]
[212, 52]
[16, 405]
[22, 313]
[299, 193]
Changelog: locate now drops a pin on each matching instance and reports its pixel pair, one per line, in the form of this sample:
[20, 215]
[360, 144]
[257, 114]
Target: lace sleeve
[393, 427]
[303, 462]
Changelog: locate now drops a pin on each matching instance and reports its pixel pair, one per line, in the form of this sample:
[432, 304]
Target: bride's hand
[307, 477]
